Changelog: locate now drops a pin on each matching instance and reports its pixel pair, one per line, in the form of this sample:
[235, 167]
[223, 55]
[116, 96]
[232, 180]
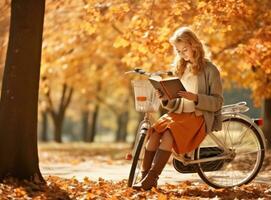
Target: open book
[168, 86]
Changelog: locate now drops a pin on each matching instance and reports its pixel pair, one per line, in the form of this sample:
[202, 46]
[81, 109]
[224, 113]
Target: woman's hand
[160, 94]
[188, 95]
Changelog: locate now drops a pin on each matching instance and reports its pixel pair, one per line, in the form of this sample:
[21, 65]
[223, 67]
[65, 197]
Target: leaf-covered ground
[61, 188]
[58, 188]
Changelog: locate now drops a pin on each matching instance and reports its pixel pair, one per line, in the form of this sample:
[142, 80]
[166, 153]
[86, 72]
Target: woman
[190, 117]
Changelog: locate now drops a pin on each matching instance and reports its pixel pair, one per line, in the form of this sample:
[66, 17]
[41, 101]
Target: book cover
[169, 86]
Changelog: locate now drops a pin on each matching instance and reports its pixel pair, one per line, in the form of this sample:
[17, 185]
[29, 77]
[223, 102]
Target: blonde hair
[186, 35]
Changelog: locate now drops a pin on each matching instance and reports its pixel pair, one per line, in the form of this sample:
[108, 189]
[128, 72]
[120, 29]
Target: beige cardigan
[210, 99]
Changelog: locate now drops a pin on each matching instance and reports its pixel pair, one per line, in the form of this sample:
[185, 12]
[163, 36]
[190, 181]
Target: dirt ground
[107, 160]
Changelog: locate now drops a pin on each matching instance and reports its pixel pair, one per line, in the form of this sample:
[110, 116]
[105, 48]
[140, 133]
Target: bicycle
[227, 158]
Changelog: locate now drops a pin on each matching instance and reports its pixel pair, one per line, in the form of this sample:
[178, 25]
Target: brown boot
[160, 160]
[147, 162]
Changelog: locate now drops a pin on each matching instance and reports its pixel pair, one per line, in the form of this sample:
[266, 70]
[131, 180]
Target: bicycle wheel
[137, 136]
[137, 160]
[246, 149]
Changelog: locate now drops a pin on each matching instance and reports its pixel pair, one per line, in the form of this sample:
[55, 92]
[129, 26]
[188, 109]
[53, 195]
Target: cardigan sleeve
[170, 105]
[212, 102]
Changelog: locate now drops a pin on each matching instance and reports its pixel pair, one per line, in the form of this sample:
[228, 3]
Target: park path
[119, 171]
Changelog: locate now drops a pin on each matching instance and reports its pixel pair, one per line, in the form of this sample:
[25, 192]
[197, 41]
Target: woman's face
[185, 51]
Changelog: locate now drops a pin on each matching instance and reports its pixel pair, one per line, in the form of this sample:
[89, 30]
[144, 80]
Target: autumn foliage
[237, 33]
[59, 188]
[85, 38]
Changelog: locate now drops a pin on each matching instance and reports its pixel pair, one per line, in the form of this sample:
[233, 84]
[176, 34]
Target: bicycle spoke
[249, 152]
[227, 131]
[244, 133]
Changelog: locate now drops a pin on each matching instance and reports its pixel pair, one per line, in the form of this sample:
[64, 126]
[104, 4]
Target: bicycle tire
[137, 133]
[258, 163]
[135, 159]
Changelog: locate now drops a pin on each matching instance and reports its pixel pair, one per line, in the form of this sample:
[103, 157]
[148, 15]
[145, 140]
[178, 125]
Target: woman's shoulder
[211, 67]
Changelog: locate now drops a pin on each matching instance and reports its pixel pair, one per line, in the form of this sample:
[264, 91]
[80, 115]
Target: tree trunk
[93, 129]
[118, 133]
[58, 116]
[85, 126]
[267, 121]
[58, 124]
[124, 126]
[44, 128]
[19, 100]
[122, 121]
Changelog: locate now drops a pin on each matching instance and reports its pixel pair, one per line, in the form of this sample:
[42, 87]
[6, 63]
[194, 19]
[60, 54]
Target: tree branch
[152, 6]
[61, 103]
[116, 28]
[68, 99]
[51, 109]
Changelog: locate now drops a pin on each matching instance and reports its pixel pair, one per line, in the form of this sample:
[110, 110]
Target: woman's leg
[154, 141]
[150, 149]
[166, 141]
[160, 160]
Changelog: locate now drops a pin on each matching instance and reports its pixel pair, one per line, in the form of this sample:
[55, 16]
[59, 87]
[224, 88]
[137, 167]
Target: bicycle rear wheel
[247, 154]
[134, 174]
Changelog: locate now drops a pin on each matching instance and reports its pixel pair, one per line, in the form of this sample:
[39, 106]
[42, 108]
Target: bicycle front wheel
[134, 174]
[244, 142]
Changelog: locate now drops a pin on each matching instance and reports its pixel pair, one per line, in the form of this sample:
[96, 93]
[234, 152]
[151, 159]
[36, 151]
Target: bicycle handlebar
[142, 72]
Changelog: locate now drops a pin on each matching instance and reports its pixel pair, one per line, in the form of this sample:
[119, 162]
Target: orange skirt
[187, 129]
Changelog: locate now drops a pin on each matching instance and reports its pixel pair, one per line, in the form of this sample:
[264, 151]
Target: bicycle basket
[146, 99]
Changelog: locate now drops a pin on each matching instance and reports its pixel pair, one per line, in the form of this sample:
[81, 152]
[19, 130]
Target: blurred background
[88, 45]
